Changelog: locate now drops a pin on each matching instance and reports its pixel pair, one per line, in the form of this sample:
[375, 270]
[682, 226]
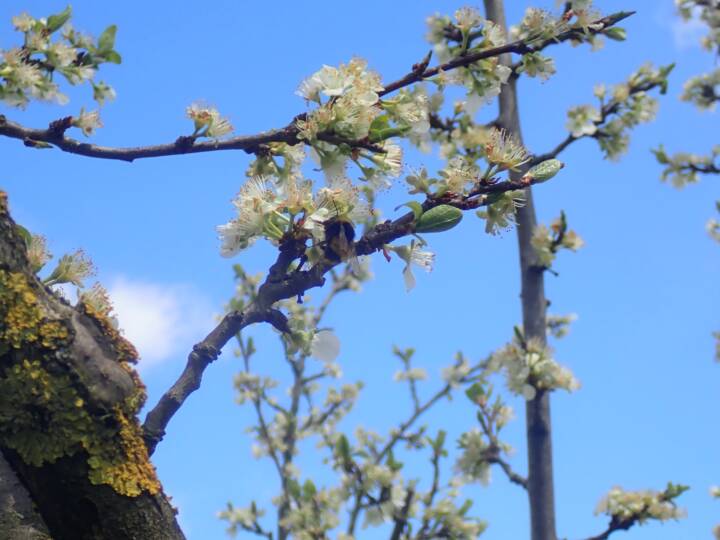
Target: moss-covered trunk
[69, 399]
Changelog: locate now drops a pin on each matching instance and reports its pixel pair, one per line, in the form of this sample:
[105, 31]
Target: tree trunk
[18, 518]
[69, 431]
[539, 430]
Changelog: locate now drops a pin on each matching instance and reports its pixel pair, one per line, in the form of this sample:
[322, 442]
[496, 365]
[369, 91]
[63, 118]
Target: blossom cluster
[558, 326]
[71, 268]
[26, 72]
[528, 366]
[629, 506]
[627, 103]
[482, 79]
[683, 168]
[703, 90]
[269, 209]
[547, 241]
[349, 106]
[708, 13]
[500, 212]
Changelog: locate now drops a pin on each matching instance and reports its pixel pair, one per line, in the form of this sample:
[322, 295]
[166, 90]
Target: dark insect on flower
[339, 237]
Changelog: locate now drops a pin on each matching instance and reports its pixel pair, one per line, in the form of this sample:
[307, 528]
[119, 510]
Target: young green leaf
[438, 219]
[54, 22]
[106, 41]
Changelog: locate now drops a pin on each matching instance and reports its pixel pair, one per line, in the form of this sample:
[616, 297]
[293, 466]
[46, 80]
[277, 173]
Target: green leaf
[438, 219]
[343, 448]
[106, 41]
[24, 234]
[439, 441]
[294, 488]
[415, 206]
[113, 57]
[392, 463]
[381, 122]
[383, 134]
[519, 334]
[465, 507]
[309, 490]
[661, 155]
[475, 392]
[54, 22]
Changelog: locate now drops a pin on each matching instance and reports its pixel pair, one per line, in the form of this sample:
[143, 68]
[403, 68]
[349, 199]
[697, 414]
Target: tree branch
[614, 526]
[280, 285]
[402, 519]
[608, 109]
[514, 477]
[254, 143]
[202, 355]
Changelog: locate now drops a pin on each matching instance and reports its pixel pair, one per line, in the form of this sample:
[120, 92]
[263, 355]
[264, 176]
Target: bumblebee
[339, 240]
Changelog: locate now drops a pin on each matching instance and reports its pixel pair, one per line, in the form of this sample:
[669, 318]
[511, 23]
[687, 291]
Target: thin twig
[608, 109]
[402, 519]
[433, 491]
[614, 526]
[514, 477]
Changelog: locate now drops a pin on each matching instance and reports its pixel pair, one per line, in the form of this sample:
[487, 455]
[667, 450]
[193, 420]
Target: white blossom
[325, 346]
[582, 120]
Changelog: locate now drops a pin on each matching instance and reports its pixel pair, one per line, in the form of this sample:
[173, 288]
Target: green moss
[43, 415]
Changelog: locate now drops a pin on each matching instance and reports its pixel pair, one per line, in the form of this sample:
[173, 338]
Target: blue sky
[644, 287]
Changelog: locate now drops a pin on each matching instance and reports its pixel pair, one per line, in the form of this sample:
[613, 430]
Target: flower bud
[616, 33]
[543, 171]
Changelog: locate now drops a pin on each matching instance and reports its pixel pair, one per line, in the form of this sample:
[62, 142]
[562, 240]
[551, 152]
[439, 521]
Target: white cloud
[685, 34]
[162, 320]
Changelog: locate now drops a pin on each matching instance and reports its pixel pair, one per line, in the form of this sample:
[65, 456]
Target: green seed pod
[438, 219]
[544, 171]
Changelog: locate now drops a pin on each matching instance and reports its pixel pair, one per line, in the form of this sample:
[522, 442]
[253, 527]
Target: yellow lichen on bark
[44, 412]
[133, 472]
[126, 351]
[23, 320]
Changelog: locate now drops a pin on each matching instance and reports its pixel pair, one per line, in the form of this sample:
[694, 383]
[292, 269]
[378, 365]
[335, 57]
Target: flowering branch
[40, 138]
[629, 508]
[614, 106]
[280, 285]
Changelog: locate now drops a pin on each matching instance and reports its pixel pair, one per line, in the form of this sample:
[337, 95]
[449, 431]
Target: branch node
[206, 352]
[57, 128]
[278, 319]
[420, 67]
[183, 142]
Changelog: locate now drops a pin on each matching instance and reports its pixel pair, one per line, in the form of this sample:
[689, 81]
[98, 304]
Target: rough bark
[538, 426]
[68, 425]
[18, 517]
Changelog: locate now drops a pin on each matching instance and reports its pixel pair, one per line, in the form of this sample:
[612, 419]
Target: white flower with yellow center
[88, 122]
